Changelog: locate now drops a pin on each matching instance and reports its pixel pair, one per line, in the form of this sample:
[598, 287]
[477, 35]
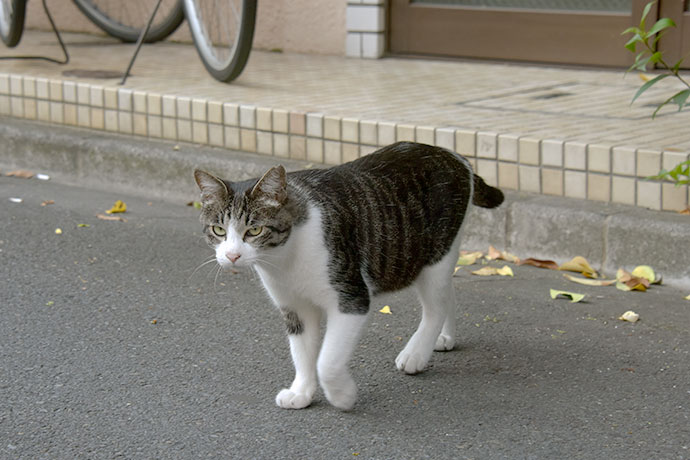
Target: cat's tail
[485, 195]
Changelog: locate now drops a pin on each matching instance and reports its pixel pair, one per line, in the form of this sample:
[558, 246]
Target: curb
[608, 235]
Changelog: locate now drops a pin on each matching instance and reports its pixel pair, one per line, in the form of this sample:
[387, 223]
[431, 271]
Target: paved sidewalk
[556, 131]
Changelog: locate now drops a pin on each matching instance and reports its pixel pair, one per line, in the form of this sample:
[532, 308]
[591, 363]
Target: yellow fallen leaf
[486, 271]
[629, 316]
[47, 202]
[386, 310]
[58, 231]
[119, 206]
[105, 217]
[505, 271]
[574, 297]
[469, 258]
[579, 264]
[493, 253]
[644, 77]
[588, 282]
[508, 257]
[644, 271]
[687, 297]
[631, 285]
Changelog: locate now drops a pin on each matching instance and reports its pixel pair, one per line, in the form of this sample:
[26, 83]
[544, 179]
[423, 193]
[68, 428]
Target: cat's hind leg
[436, 330]
[303, 334]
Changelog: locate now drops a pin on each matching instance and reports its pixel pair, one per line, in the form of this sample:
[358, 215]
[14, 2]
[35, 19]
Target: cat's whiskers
[211, 259]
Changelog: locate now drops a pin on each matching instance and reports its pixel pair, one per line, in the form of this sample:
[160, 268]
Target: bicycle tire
[224, 57]
[12, 21]
[116, 19]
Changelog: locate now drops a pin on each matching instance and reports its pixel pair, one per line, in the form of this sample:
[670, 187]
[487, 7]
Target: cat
[324, 241]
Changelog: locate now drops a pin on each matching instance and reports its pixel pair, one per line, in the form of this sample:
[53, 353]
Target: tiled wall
[365, 24]
[547, 166]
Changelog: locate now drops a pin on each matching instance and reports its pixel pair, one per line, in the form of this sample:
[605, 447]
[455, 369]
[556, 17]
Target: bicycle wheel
[12, 21]
[223, 31]
[126, 19]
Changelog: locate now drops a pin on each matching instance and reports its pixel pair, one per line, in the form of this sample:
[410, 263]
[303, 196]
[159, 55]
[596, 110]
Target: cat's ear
[272, 187]
[212, 188]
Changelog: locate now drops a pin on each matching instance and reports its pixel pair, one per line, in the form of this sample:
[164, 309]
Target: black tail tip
[485, 195]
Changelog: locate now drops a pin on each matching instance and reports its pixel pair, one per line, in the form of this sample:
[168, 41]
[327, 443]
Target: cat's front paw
[410, 362]
[342, 393]
[288, 399]
[444, 343]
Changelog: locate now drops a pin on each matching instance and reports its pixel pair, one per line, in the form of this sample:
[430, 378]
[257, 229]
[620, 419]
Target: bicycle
[222, 31]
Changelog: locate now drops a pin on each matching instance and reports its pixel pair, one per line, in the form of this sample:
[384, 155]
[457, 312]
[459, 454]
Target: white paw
[288, 399]
[342, 393]
[411, 363]
[444, 343]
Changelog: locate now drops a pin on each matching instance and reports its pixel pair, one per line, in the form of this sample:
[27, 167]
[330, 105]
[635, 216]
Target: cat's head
[245, 221]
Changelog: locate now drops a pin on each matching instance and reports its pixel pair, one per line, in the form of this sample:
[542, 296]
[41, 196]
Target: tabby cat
[324, 241]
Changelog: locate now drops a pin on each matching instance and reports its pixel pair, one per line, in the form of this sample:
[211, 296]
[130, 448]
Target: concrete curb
[608, 235]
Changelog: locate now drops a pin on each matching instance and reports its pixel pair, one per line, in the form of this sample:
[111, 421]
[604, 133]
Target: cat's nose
[232, 257]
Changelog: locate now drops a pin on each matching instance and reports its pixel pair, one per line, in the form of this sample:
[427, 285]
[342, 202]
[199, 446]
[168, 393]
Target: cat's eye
[218, 230]
[254, 231]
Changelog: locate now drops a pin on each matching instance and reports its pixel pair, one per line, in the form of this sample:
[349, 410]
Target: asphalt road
[113, 346]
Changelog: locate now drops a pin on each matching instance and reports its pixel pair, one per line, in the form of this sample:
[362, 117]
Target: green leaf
[655, 58]
[680, 98]
[679, 94]
[661, 24]
[574, 297]
[640, 63]
[645, 12]
[630, 45]
[630, 30]
[648, 85]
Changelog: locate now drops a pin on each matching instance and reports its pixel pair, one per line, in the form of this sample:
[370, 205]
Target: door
[584, 32]
[675, 44]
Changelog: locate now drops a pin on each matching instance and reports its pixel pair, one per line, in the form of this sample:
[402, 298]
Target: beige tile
[298, 147]
[598, 187]
[264, 119]
[425, 135]
[673, 198]
[386, 133]
[350, 152]
[95, 98]
[83, 93]
[57, 114]
[670, 160]
[42, 88]
[649, 194]
[16, 85]
[599, 158]
[648, 162]
[4, 84]
[486, 144]
[110, 98]
[528, 152]
[365, 150]
[530, 178]
[111, 120]
[508, 148]
[350, 130]
[445, 138]
[280, 121]
[623, 161]
[368, 132]
[29, 87]
[331, 128]
[169, 104]
[125, 122]
[56, 90]
[231, 114]
[264, 141]
[43, 109]
[184, 108]
[575, 184]
[465, 142]
[139, 124]
[315, 150]
[552, 181]
[154, 104]
[124, 99]
[70, 112]
[97, 117]
[488, 170]
[155, 126]
[575, 155]
[139, 101]
[231, 135]
[623, 190]
[315, 125]
[551, 153]
[331, 152]
[404, 133]
[169, 128]
[298, 123]
[200, 132]
[30, 111]
[281, 145]
[184, 130]
[69, 91]
[215, 112]
[5, 108]
[215, 134]
[17, 106]
[247, 116]
[248, 140]
[199, 110]
[84, 115]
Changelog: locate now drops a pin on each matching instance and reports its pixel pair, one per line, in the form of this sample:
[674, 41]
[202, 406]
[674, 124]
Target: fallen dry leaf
[106, 217]
[580, 265]
[119, 206]
[47, 202]
[588, 281]
[21, 173]
[573, 296]
[58, 231]
[685, 211]
[687, 297]
[629, 316]
[493, 253]
[489, 271]
[469, 258]
[646, 272]
[550, 264]
[627, 282]
[386, 310]
[505, 271]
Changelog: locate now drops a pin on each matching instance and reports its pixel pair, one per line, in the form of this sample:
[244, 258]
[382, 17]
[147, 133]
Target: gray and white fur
[324, 241]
